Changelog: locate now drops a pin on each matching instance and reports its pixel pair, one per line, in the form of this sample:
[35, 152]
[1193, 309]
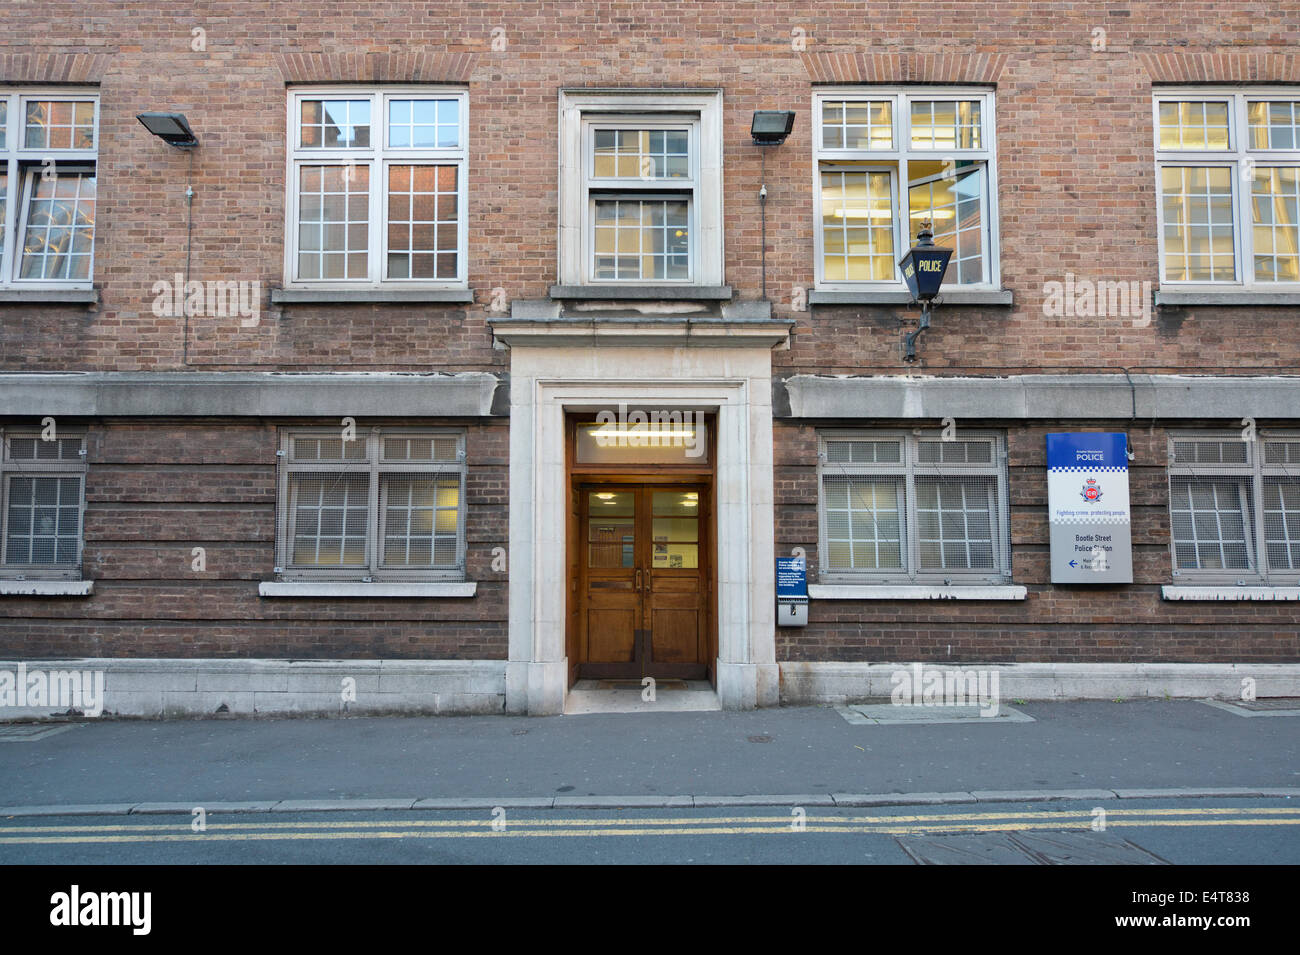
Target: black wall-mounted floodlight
[923, 269]
[171, 128]
[770, 127]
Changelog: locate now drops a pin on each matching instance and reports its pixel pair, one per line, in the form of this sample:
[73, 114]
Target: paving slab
[485, 802]
[211, 808]
[806, 799]
[341, 805]
[1040, 795]
[901, 799]
[620, 802]
[93, 809]
[1189, 792]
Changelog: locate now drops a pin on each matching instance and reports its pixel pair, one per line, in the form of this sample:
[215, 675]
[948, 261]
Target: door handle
[637, 585]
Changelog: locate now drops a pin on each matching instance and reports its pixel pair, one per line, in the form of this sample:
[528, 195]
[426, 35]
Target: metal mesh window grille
[1234, 506]
[1282, 522]
[955, 520]
[386, 504]
[864, 522]
[42, 490]
[1209, 521]
[907, 507]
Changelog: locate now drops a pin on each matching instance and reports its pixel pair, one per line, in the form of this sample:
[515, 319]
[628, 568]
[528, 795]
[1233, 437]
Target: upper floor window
[1228, 170]
[889, 161]
[377, 191]
[1234, 507]
[42, 493]
[48, 149]
[898, 507]
[640, 189]
[383, 505]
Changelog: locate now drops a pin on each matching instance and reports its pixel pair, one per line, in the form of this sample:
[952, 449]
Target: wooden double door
[644, 580]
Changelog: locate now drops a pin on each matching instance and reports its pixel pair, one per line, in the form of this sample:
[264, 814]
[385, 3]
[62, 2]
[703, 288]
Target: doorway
[644, 580]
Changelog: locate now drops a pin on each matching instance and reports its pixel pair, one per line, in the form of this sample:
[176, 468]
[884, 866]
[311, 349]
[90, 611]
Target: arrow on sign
[1074, 563]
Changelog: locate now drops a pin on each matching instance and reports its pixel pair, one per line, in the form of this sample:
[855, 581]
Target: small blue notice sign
[791, 577]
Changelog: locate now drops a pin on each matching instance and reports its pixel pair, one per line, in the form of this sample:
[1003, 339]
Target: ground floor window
[901, 507]
[384, 504]
[1234, 507]
[42, 483]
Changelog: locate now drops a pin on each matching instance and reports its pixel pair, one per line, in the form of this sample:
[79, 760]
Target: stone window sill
[658, 293]
[344, 588]
[50, 296]
[1185, 592]
[916, 592]
[950, 297]
[47, 588]
[306, 296]
[1180, 297]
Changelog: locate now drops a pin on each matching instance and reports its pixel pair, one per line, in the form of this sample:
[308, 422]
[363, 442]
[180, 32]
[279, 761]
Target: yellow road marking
[566, 830]
[661, 821]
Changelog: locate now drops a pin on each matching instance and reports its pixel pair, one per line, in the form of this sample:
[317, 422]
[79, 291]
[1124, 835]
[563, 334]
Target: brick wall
[1077, 623]
[156, 489]
[1074, 143]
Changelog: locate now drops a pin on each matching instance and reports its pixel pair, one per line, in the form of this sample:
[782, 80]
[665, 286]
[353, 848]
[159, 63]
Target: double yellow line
[546, 826]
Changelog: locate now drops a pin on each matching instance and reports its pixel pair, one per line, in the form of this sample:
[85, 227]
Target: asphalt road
[1149, 832]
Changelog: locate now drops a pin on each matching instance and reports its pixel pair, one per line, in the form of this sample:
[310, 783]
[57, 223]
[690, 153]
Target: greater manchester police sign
[1088, 509]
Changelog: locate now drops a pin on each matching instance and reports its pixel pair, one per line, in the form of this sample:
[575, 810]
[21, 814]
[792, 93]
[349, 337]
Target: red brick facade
[1076, 194]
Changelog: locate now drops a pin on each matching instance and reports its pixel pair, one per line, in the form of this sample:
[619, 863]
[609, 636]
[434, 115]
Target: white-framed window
[640, 188]
[387, 504]
[49, 144]
[377, 188]
[1228, 187]
[1234, 507]
[901, 507]
[889, 160]
[42, 490]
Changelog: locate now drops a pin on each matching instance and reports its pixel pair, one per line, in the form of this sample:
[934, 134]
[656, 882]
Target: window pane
[857, 227]
[334, 124]
[611, 529]
[938, 124]
[421, 519]
[424, 123]
[1197, 204]
[333, 221]
[44, 520]
[4, 204]
[641, 154]
[1273, 125]
[864, 523]
[60, 124]
[1193, 125]
[4, 123]
[1282, 522]
[329, 514]
[423, 225]
[955, 522]
[848, 125]
[59, 236]
[642, 239]
[1208, 521]
[955, 209]
[1275, 210]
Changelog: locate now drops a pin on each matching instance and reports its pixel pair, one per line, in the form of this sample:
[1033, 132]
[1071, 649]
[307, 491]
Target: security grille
[42, 485]
[1227, 494]
[383, 505]
[898, 507]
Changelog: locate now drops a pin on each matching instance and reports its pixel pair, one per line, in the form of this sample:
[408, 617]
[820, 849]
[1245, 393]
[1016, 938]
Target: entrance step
[628, 696]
